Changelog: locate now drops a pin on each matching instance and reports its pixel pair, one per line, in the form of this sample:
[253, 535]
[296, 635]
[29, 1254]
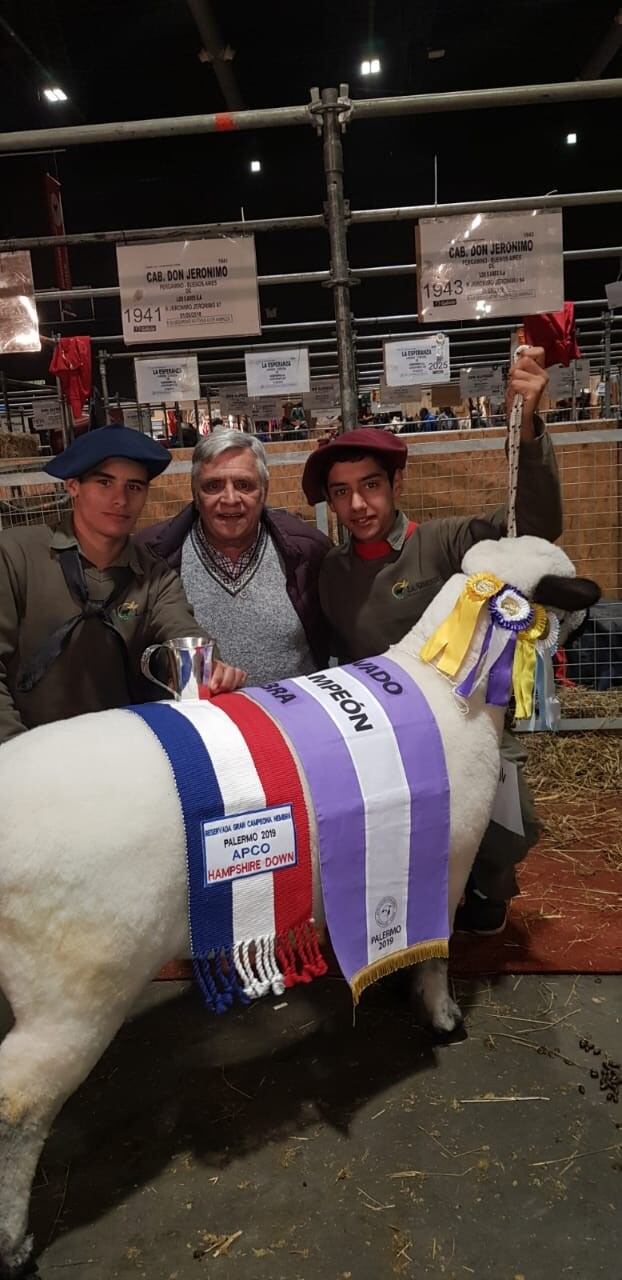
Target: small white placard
[270, 372]
[614, 294]
[46, 415]
[324, 396]
[506, 809]
[188, 289]
[473, 267]
[233, 398]
[168, 379]
[566, 380]
[249, 844]
[415, 361]
[482, 380]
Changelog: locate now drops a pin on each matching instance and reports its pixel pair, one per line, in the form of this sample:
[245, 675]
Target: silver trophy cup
[188, 666]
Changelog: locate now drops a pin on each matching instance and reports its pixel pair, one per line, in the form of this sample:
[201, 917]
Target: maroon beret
[366, 439]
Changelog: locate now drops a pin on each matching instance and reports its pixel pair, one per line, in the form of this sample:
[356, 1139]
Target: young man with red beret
[375, 588]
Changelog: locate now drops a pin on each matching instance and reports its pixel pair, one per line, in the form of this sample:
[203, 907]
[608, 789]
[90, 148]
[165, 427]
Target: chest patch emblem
[129, 609]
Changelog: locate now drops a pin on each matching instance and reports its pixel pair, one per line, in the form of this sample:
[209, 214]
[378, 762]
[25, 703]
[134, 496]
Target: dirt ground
[284, 1143]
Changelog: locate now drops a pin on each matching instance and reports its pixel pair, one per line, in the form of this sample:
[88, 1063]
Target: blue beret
[108, 442]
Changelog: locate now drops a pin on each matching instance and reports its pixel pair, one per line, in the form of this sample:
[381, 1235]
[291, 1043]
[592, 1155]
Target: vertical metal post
[339, 266]
[607, 362]
[7, 406]
[103, 377]
[66, 418]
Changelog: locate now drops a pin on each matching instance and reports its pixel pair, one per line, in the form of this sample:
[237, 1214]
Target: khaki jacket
[371, 604]
[90, 674]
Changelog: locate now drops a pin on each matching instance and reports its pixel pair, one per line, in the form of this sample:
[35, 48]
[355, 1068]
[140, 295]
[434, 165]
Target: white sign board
[248, 844]
[482, 380]
[19, 323]
[324, 396]
[137, 420]
[188, 289]
[233, 398]
[414, 361]
[266, 407]
[472, 267]
[166, 380]
[270, 372]
[614, 294]
[46, 415]
[387, 406]
[566, 381]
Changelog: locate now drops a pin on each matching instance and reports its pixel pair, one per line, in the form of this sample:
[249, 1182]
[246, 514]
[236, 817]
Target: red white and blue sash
[250, 926]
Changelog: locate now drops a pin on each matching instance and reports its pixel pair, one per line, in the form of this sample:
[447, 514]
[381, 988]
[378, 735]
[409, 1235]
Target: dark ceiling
[131, 59]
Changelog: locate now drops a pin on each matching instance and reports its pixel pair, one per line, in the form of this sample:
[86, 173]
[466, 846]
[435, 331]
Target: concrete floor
[341, 1152]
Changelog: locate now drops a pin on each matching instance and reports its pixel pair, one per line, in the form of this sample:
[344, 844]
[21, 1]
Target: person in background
[378, 585]
[80, 603]
[252, 570]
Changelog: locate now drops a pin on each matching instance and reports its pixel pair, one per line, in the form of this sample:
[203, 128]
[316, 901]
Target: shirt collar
[64, 536]
[397, 536]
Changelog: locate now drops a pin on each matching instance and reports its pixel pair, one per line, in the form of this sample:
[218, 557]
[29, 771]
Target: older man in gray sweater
[251, 570]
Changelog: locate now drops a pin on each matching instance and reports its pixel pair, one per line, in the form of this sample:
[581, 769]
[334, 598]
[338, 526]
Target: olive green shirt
[90, 674]
[371, 604]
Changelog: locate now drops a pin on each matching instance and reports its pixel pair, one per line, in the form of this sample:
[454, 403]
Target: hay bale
[19, 444]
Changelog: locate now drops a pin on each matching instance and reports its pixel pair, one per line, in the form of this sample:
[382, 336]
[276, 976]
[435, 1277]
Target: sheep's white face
[542, 571]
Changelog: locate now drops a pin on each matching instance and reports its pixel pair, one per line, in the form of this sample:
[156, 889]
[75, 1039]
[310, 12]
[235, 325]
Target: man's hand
[225, 679]
[529, 380]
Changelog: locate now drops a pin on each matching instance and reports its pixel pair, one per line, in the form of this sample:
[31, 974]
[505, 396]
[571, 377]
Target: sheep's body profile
[93, 875]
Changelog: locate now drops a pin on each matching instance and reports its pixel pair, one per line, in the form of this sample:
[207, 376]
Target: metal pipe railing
[304, 114]
[480, 99]
[410, 213]
[302, 277]
[194, 231]
[78, 135]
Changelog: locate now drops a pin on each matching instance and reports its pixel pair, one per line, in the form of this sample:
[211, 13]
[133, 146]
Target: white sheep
[93, 876]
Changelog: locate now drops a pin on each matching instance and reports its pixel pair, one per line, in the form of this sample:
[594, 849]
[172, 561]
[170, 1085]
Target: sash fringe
[436, 949]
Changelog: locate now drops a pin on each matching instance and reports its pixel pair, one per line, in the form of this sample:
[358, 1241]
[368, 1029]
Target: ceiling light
[571, 138]
[255, 166]
[435, 54]
[55, 95]
[370, 67]
[365, 68]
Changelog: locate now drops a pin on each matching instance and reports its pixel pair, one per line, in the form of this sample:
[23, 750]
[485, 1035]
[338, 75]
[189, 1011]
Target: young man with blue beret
[79, 603]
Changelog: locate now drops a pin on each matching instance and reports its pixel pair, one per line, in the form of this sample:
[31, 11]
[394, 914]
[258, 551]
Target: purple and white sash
[374, 761]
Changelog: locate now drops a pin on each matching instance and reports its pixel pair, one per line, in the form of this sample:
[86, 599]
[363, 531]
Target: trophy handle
[146, 670]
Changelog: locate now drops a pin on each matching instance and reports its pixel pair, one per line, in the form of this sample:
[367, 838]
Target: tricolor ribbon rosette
[510, 615]
[545, 707]
[448, 646]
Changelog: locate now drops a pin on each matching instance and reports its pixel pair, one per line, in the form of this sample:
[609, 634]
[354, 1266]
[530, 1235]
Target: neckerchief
[71, 564]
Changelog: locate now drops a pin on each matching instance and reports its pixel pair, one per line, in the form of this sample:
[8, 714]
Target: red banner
[57, 228]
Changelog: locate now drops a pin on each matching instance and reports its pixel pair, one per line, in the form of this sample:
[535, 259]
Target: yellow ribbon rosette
[448, 646]
[524, 665]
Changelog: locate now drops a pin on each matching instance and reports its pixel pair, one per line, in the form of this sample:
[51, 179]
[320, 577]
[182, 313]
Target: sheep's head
[496, 624]
[541, 571]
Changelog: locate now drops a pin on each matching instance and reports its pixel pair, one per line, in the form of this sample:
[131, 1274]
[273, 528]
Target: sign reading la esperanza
[188, 289]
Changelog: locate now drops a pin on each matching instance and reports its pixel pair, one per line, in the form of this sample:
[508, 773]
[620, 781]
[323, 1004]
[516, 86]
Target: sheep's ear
[569, 594]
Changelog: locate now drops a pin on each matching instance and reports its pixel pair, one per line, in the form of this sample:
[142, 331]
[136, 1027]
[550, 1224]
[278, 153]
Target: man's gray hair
[221, 441]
